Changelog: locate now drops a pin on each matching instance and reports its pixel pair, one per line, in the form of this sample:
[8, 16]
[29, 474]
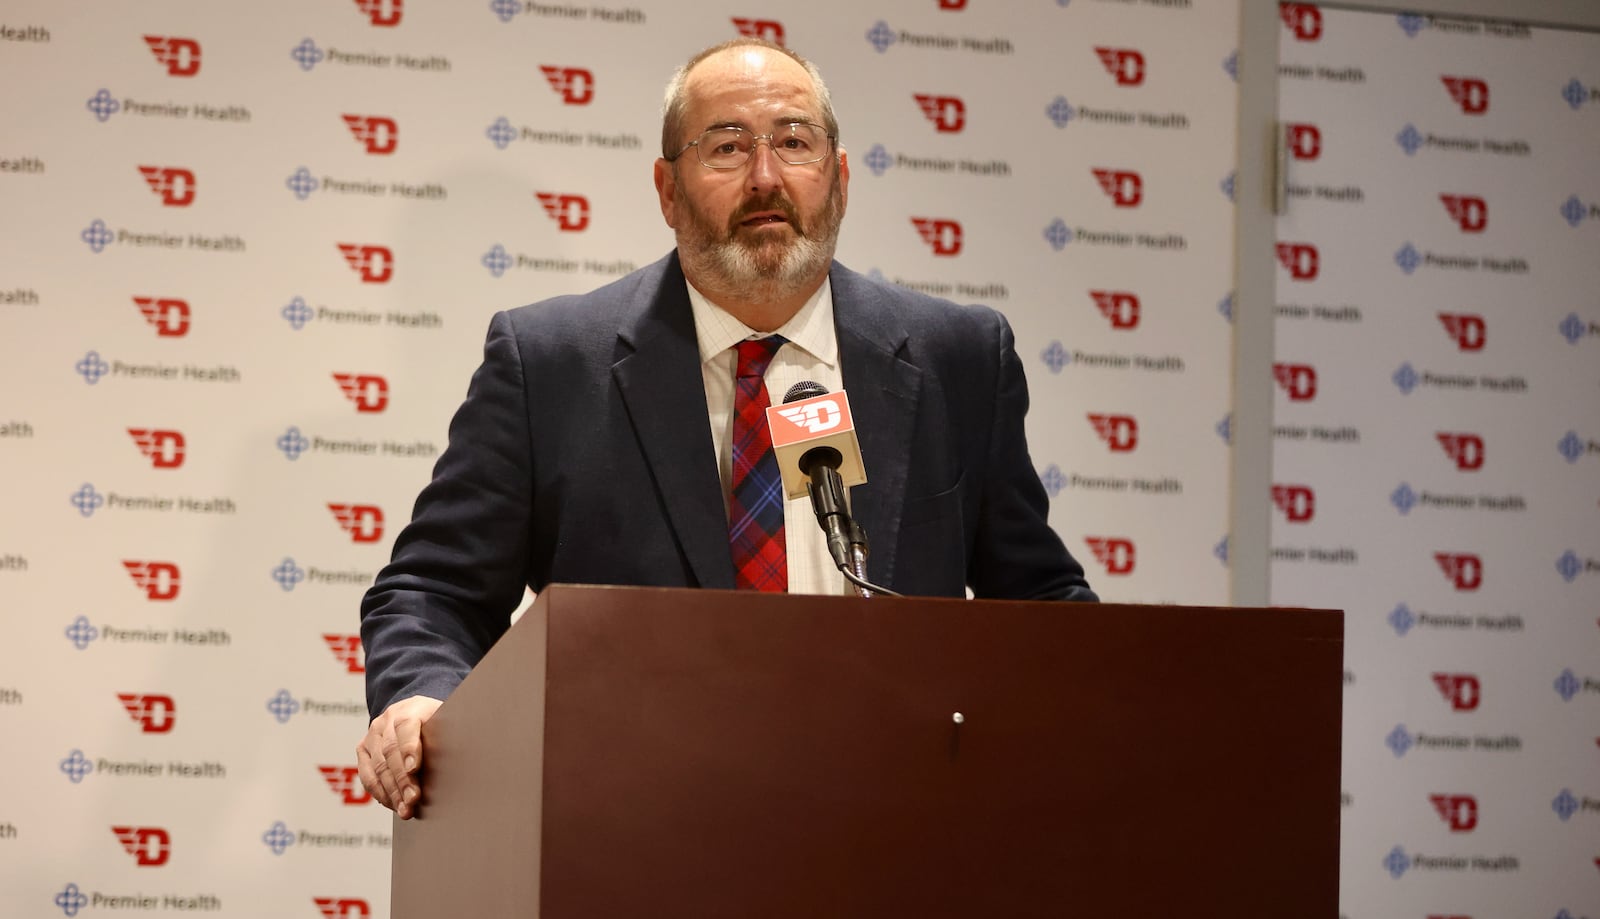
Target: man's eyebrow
[780, 121]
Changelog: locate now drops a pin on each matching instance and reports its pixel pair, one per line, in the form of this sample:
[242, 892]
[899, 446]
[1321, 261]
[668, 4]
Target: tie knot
[754, 356]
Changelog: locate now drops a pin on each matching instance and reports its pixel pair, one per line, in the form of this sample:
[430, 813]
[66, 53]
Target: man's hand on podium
[391, 753]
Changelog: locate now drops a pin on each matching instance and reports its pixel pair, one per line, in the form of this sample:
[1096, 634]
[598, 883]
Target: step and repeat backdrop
[250, 254]
[1437, 446]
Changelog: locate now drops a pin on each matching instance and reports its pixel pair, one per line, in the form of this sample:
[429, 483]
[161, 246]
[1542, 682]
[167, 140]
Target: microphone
[814, 439]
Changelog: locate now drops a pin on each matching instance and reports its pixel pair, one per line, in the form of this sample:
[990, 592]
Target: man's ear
[667, 189]
[844, 181]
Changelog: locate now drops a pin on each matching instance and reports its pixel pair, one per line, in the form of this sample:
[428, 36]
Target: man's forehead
[747, 76]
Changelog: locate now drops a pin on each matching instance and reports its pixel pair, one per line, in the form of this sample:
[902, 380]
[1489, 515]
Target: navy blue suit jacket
[583, 454]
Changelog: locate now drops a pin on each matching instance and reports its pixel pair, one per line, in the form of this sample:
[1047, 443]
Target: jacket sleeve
[1016, 555]
[460, 566]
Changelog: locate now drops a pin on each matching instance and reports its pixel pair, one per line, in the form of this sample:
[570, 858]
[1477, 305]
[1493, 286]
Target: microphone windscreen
[805, 389]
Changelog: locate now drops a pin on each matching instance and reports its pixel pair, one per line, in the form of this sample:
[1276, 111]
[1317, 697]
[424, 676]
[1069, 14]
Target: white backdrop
[1437, 473]
[250, 256]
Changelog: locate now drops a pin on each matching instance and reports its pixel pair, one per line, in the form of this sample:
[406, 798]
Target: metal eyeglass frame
[755, 140]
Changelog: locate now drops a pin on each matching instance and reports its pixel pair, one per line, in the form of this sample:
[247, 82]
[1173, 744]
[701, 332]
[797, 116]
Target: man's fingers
[385, 786]
[391, 753]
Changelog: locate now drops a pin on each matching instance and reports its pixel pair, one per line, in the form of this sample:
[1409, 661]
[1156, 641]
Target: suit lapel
[883, 390]
[661, 386]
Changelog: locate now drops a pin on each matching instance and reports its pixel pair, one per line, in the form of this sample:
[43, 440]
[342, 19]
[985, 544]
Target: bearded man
[615, 437]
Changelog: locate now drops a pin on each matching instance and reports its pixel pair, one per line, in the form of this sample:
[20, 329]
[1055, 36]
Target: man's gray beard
[770, 271]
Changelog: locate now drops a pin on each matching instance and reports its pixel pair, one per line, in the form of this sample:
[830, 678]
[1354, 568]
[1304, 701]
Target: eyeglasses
[797, 144]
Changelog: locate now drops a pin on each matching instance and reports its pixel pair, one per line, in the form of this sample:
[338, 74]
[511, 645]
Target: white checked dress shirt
[811, 354]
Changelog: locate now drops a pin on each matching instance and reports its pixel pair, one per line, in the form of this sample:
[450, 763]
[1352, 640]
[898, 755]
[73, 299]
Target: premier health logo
[880, 36]
[297, 313]
[1057, 234]
[288, 574]
[1568, 566]
[1403, 499]
[103, 105]
[283, 706]
[81, 633]
[497, 260]
[307, 54]
[70, 900]
[278, 838]
[97, 236]
[878, 159]
[76, 766]
[87, 500]
[293, 443]
[302, 183]
[1399, 741]
[1565, 805]
[1409, 139]
[1401, 619]
[1574, 211]
[501, 133]
[1060, 112]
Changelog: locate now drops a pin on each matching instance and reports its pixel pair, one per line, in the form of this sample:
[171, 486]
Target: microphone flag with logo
[809, 422]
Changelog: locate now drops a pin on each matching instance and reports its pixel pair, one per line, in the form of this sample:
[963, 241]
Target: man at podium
[619, 437]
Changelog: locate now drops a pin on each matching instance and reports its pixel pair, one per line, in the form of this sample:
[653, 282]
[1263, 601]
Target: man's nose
[766, 170]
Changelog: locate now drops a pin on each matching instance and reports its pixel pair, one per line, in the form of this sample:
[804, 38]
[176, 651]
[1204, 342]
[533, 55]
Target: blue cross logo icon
[278, 838]
[1410, 23]
[505, 10]
[307, 54]
[1231, 65]
[1220, 550]
[302, 183]
[501, 133]
[1573, 92]
[1057, 234]
[1409, 139]
[293, 443]
[1399, 741]
[1568, 566]
[1227, 185]
[1052, 480]
[1566, 685]
[1405, 378]
[1055, 357]
[881, 36]
[297, 313]
[1408, 258]
[283, 706]
[1571, 328]
[76, 766]
[1572, 210]
[1571, 447]
[87, 500]
[1565, 805]
[496, 260]
[92, 368]
[1402, 619]
[1225, 429]
[878, 159]
[1060, 111]
[71, 899]
[1225, 306]
[1403, 499]
[1397, 863]
[97, 236]
[288, 574]
[103, 105]
[81, 632]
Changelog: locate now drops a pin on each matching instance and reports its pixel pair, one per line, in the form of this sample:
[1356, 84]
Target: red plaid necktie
[755, 505]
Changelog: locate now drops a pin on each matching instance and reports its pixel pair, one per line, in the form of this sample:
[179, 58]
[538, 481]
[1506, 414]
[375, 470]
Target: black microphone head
[805, 389]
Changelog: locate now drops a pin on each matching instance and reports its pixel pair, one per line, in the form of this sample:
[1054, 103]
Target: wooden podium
[630, 752]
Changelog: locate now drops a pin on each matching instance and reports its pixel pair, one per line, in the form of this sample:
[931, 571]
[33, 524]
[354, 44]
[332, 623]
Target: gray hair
[673, 103]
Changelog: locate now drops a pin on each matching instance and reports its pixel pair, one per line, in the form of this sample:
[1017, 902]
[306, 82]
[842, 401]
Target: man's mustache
[772, 202]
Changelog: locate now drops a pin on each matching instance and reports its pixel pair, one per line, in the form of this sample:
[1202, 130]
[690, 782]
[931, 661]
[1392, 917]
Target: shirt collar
[810, 329]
